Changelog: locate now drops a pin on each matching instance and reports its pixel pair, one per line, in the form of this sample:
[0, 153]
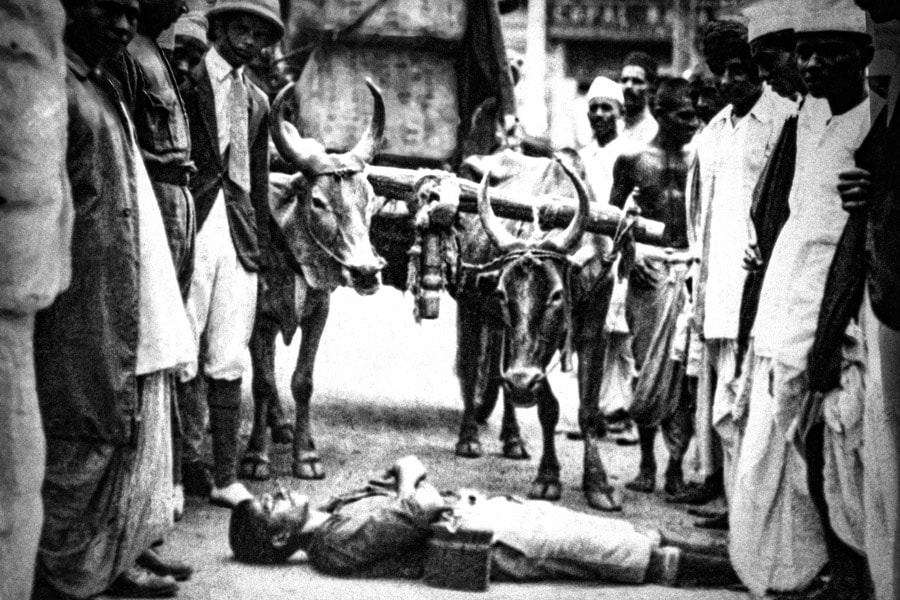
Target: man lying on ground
[384, 529]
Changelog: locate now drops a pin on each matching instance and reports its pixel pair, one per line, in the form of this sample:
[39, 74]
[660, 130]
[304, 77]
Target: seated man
[384, 530]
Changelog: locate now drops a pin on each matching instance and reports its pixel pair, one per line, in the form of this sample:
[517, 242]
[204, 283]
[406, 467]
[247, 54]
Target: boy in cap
[228, 117]
[783, 530]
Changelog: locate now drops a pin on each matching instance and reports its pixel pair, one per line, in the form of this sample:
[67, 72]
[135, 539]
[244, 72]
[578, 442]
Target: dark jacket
[160, 120]
[86, 341]
[248, 214]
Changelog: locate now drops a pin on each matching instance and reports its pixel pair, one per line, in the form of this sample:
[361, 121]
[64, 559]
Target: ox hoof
[607, 500]
[645, 483]
[545, 490]
[515, 450]
[469, 449]
[308, 468]
[255, 467]
[283, 434]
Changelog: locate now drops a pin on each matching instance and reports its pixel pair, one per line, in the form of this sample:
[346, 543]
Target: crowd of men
[759, 337]
[760, 333]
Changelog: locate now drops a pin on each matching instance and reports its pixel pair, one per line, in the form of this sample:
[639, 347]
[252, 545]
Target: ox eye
[556, 297]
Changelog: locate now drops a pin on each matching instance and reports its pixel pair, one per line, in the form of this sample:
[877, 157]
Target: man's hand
[855, 187]
[752, 258]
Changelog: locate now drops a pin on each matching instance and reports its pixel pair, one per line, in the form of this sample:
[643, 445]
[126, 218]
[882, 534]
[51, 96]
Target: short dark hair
[644, 61]
[250, 537]
[671, 92]
[724, 36]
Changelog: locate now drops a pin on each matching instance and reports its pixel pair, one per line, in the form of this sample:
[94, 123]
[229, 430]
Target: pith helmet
[269, 10]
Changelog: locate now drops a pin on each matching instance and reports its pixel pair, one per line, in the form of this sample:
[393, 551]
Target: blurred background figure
[35, 235]
[639, 76]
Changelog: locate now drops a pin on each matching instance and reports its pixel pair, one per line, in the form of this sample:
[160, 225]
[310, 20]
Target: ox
[521, 302]
[323, 215]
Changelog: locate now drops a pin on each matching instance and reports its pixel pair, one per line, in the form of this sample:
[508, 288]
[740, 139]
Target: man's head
[833, 62]
[158, 15]
[190, 44]
[674, 111]
[100, 29]
[270, 529]
[881, 11]
[705, 95]
[728, 56]
[770, 25]
[774, 56]
[605, 107]
[240, 29]
[638, 77]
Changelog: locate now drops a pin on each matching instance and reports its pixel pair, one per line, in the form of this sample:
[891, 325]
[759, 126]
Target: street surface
[385, 388]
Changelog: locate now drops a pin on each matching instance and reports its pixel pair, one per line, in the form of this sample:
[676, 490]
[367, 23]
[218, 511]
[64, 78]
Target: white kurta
[794, 284]
[776, 534]
[732, 157]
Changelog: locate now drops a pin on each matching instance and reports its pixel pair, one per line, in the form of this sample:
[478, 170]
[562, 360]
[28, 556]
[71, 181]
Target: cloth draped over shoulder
[878, 155]
[769, 212]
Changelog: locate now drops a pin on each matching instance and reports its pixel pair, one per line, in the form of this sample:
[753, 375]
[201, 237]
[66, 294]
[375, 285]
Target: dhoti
[105, 504]
[776, 539]
[659, 394]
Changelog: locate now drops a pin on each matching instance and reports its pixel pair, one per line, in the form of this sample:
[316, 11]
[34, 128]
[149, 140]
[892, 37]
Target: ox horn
[503, 239]
[366, 148]
[568, 239]
[299, 151]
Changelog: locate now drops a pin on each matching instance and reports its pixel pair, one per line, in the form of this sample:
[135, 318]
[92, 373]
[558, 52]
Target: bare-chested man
[654, 178]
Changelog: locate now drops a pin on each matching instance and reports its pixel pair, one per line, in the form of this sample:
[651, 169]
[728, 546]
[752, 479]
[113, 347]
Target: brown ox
[527, 301]
[323, 213]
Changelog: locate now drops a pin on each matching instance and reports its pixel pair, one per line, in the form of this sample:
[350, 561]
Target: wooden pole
[553, 211]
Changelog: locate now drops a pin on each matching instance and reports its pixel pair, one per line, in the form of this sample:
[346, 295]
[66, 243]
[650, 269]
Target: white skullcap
[604, 87]
[831, 15]
[769, 16]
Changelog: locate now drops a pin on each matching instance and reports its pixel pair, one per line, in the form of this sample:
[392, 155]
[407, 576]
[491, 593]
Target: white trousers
[221, 304]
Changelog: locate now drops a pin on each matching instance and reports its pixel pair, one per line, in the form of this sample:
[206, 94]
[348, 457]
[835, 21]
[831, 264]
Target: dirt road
[384, 388]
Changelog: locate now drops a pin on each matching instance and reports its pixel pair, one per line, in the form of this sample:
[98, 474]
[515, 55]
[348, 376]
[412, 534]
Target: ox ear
[486, 283]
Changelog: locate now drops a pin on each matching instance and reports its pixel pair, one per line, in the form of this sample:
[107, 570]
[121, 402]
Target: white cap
[604, 87]
[831, 15]
[769, 16]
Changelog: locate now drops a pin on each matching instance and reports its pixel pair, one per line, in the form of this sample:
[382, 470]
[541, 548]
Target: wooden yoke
[433, 198]
[553, 211]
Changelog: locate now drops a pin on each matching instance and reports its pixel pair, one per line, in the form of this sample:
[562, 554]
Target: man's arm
[623, 180]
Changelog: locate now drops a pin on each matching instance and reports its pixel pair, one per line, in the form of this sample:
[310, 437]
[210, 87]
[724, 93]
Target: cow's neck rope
[514, 255]
[342, 173]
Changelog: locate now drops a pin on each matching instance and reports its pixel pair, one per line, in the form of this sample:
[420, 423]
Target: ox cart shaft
[552, 211]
